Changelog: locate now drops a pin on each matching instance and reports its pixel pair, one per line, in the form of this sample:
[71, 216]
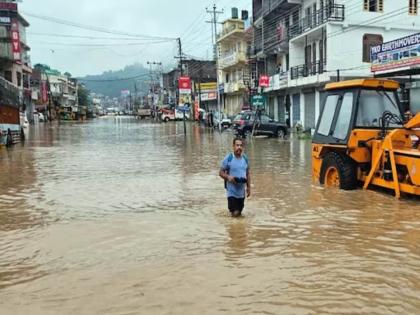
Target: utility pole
[215, 13]
[150, 63]
[181, 72]
[180, 56]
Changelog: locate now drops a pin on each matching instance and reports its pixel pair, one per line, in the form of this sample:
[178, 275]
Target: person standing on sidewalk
[235, 172]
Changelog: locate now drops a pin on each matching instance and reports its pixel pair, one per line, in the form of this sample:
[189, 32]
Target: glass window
[373, 5]
[344, 117]
[265, 119]
[328, 115]
[372, 105]
[412, 7]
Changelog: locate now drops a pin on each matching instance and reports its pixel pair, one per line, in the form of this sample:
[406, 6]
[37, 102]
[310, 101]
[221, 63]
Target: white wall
[345, 47]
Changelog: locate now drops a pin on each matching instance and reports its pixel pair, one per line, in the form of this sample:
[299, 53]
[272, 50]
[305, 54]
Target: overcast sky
[57, 44]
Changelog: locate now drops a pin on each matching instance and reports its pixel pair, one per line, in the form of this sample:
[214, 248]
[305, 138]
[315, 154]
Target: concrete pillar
[276, 108]
[317, 105]
[302, 109]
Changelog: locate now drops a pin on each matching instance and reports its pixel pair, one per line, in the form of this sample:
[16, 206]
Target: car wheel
[166, 119]
[247, 133]
[280, 133]
[338, 171]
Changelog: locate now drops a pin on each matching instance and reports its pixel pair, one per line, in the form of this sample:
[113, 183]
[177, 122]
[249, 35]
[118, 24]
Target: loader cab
[355, 104]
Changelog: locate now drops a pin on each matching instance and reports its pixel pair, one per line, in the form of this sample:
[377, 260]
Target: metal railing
[334, 12]
[270, 5]
[10, 94]
[229, 29]
[306, 70]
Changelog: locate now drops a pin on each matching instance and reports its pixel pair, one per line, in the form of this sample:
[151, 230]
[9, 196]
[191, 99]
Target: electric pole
[153, 86]
[215, 13]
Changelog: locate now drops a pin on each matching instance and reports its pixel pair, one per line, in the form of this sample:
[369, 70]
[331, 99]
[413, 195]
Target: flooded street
[118, 216]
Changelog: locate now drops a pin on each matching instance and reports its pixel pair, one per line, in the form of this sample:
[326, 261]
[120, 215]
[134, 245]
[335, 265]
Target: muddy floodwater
[118, 216]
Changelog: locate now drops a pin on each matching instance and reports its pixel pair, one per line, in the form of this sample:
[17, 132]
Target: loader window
[372, 104]
[344, 117]
[328, 115]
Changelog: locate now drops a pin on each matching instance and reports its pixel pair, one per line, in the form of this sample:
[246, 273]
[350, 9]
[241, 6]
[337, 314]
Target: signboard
[184, 84]
[204, 87]
[264, 81]
[222, 88]
[125, 93]
[10, 6]
[184, 99]
[44, 91]
[399, 54]
[258, 100]
[5, 20]
[15, 40]
[209, 96]
[196, 110]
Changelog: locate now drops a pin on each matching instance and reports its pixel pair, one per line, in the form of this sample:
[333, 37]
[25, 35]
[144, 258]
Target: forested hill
[111, 83]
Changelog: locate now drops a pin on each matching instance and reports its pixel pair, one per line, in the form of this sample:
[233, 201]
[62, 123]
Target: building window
[19, 79]
[370, 40]
[373, 5]
[412, 7]
[8, 75]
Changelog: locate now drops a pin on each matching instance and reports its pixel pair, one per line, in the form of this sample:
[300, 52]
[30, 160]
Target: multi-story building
[200, 72]
[234, 75]
[270, 51]
[326, 40]
[15, 63]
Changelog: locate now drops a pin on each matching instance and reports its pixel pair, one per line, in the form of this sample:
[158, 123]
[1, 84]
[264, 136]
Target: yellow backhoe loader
[363, 137]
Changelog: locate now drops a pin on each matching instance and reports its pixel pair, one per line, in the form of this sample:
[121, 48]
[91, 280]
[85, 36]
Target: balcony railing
[232, 58]
[230, 28]
[9, 93]
[306, 70]
[334, 12]
[270, 5]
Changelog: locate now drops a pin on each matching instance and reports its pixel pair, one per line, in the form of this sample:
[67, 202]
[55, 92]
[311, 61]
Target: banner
[399, 54]
[196, 110]
[264, 81]
[184, 84]
[209, 96]
[44, 92]
[15, 40]
[184, 99]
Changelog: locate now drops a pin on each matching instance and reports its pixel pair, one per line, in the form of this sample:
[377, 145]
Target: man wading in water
[235, 171]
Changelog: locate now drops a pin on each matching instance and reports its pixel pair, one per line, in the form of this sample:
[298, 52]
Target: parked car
[226, 122]
[144, 113]
[167, 115]
[264, 125]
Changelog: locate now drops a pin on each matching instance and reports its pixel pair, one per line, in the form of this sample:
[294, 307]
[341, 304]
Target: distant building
[15, 62]
[234, 72]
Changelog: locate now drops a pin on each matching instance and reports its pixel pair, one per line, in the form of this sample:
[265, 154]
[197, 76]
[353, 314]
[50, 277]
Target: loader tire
[338, 171]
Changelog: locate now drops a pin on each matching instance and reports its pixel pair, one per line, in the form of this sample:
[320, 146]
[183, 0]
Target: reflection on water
[119, 216]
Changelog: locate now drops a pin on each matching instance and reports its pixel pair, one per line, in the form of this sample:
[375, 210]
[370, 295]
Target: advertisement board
[8, 6]
[16, 50]
[209, 96]
[184, 84]
[399, 54]
[258, 100]
[264, 81]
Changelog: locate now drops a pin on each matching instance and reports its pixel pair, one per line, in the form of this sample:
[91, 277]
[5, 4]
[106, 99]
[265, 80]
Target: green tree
[83, 94]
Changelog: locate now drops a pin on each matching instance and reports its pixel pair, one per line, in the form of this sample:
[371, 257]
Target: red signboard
[44, 92]
[8, 6]
[15, 40]
[264, 81]
[184, 84]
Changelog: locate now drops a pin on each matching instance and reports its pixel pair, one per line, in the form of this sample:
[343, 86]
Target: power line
[114, 80]
[101, 45]
[86, 37]
[92, 28]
